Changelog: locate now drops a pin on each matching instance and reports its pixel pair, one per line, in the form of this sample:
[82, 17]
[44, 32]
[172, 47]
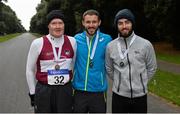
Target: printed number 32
[59, 79]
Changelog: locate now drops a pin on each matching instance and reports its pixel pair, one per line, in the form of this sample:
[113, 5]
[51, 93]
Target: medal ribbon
[57, 55]
[122, 56]
[94, 46]
[90, 56]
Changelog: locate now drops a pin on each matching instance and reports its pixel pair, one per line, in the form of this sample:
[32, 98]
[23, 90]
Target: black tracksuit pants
[122, 104]
[53, 98]
[92, 102]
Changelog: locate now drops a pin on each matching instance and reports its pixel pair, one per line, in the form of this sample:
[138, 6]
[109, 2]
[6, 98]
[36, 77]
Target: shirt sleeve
[31, 67]
[151, 64]
[109, 63]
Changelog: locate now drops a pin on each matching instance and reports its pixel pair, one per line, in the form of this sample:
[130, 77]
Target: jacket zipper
[142, 83]
[129, 71]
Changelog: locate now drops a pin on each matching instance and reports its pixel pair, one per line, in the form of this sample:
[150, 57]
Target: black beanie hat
[55, 14]
[124, 13]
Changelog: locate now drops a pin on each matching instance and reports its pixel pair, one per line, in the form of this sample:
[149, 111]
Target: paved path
[170, 67]
[13, 86]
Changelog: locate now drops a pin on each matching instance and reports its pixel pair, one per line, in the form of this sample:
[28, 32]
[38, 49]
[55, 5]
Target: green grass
[166, 85]
[168, 57]
[9, 36]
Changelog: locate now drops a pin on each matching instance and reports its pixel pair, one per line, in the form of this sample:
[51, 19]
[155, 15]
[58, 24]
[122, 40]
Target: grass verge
[9, 36]
[168, 58]
[166, 85]
[166, 52]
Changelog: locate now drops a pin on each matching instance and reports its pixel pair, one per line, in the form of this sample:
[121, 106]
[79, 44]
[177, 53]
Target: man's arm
[151, 64]
[31, 65]
[74, 45]
[109, 63]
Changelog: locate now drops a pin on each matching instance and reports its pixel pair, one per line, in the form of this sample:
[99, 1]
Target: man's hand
[32, 99]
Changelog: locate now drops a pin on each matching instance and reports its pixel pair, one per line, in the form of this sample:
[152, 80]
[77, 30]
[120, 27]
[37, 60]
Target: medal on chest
[121, 64]
[57, 53]
[91, 63]
[92, 53]
[57, 67]
[123, 52]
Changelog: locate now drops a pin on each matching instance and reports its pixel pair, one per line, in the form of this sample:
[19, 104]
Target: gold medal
[57, 67]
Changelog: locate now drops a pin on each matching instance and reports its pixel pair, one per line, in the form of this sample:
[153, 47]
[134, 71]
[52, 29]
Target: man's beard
[90, 33]
[126, 35]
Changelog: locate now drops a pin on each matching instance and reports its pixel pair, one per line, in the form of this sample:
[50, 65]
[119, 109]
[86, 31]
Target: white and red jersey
[41, 58]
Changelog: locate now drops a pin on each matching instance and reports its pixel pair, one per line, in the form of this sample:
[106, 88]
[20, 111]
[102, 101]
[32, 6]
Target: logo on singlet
[67, 52]
[49, 53]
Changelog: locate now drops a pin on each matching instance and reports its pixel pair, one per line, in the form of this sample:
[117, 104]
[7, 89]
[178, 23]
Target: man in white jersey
[50, 63]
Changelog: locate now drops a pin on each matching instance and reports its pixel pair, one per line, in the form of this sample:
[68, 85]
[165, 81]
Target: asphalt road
[13, 86]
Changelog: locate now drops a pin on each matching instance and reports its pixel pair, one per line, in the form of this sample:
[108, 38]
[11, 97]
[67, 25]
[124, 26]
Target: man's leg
[80, 102]
[97, 102]
[42, 98]
[64, 98]
[140, 104]
[120, 104]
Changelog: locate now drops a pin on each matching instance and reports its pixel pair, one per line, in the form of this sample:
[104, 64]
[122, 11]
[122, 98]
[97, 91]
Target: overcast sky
[24, 9]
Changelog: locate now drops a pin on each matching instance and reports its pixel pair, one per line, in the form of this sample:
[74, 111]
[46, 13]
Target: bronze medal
[57, 67]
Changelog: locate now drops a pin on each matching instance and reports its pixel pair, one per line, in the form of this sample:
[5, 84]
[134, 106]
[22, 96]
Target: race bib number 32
[58, 77]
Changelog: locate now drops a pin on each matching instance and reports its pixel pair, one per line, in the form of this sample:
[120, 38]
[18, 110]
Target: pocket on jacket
[142, 83]
[117, 79]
